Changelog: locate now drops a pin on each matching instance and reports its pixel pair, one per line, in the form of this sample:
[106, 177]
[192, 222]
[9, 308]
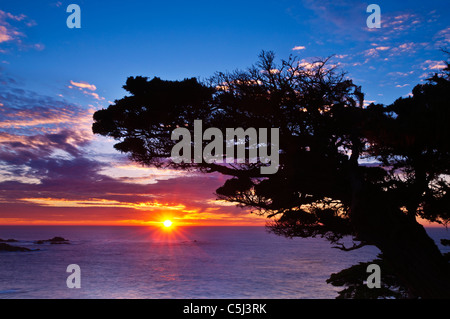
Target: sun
[167, 223]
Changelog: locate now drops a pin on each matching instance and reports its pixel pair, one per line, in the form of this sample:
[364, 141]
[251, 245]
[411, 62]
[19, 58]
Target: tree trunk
[404, 243]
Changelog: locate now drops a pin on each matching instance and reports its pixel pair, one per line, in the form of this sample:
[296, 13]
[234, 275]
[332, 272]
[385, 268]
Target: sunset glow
[224, 157]
[167, 223]
[55, 171]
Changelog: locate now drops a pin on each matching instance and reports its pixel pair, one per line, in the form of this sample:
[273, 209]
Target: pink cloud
[371, 53]
[94, 95]
[400, 22]
[442, 38]
[9, 29]
[4, 36]
[83, 85]
[7, 33]
[40, 116]
[6, 15]
[407, 48]
[433, 65]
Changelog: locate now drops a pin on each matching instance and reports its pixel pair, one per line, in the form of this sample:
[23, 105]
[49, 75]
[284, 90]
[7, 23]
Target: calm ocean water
[189, 262]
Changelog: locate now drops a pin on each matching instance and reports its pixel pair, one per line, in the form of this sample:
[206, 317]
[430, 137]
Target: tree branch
[354, 247]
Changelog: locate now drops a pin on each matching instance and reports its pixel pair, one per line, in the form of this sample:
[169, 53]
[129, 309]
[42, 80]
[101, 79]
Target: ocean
[186, 262]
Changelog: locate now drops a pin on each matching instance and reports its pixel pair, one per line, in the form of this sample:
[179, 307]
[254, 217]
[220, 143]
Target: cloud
[21, 149]
[406, 48]
[400, 74]
[433, 65]
[371, 53]
[10, 26]
[51, 171]
[396, 24]
[40, 116]
[26, 112]
[94, 95]
[6, 15]
[298, 48]
[8, 34]
[130, 172]
[368, 102]
[75, 187]
[84, 85]
[375, 52]
[396, 27]
[307, 65]
[4, 36]
[442, 38]
[38, 46]
[34, 126]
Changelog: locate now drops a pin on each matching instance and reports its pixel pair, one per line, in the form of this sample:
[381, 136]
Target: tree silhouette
[321, 188]
[354, 277]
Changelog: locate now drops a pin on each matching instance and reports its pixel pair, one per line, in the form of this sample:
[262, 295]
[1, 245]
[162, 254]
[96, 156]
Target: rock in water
[8, 240]
[7, 247]
[54, 240]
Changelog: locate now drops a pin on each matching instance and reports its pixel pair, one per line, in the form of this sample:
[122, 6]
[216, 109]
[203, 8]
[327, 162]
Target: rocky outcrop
[8, 240]
[5, 246]
[55, 240]
[8, 247]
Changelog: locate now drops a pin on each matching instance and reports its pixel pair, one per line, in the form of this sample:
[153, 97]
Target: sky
[54, 171]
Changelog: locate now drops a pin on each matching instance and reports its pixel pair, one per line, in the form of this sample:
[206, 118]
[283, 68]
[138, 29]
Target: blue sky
[53, 78]
[181, 39]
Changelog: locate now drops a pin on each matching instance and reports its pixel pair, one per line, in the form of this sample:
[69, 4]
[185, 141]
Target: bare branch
[354, 247]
